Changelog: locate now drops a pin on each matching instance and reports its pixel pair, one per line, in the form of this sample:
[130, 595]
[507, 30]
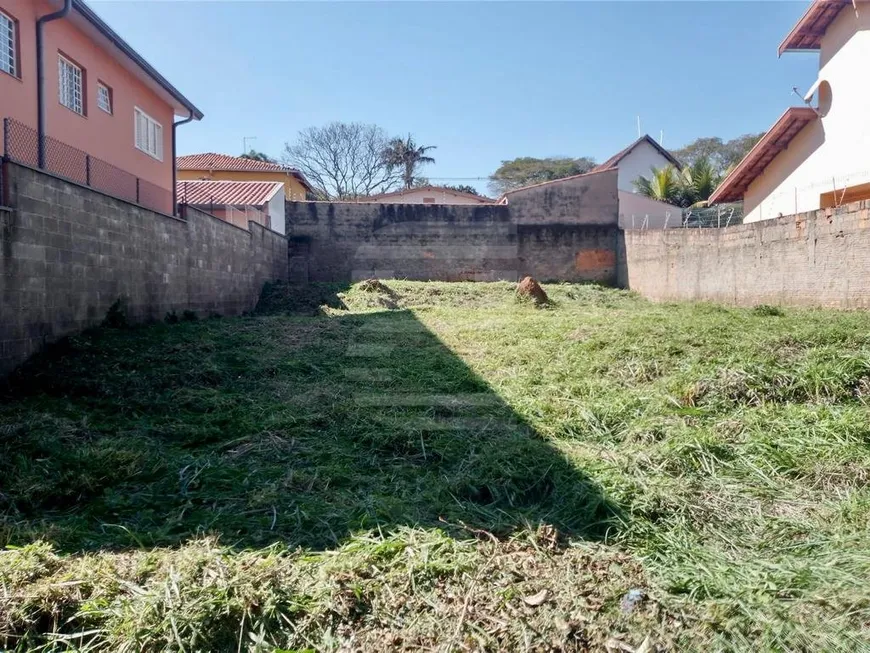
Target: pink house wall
[108, 137]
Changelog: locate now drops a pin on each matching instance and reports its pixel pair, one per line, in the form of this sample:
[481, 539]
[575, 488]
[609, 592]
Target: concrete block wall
[68, 252]
[820, 258]
[563, 231]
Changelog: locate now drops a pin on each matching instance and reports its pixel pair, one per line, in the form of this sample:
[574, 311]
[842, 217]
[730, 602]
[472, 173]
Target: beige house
[429, 195]
[815, 156]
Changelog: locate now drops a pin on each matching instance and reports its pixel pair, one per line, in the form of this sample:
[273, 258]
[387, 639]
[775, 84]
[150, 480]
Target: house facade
[99, 95]
[237, 202]
[637, 160]
[815, 156]
[428, 195]
[222, 167]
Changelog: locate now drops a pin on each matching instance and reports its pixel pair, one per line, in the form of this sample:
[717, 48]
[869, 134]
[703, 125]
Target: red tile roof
[435, 189]
[613, 161]
[808, 33]
[236, 193]
[213, 161]
[759, 157]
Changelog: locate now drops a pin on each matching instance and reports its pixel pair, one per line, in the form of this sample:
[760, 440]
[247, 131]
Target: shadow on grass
[276, 428]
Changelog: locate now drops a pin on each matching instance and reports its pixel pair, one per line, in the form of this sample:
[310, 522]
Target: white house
[429, 195]
[815, 156]
[636, 160]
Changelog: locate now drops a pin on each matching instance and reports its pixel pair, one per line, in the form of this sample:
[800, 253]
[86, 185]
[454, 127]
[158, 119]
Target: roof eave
[88, 14]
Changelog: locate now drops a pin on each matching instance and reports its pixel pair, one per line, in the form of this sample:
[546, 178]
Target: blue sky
[483, 81]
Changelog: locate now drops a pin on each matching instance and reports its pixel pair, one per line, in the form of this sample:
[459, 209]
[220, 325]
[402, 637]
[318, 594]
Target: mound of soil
[372, 285]
[530, 289]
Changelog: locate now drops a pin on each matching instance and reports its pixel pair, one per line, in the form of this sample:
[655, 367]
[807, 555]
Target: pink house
[97, 95]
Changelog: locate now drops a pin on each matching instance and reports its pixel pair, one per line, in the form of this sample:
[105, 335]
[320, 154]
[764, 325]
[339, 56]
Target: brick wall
[560, 231]
[68, 252]
[811, 259]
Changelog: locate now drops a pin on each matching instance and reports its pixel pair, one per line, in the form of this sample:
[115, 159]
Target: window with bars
[70, 85]
[104, 97]
[8, 45]
[149, 134]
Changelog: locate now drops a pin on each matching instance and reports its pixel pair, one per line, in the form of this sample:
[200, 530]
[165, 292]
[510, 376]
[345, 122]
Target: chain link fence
[21, 144]
[716, 217]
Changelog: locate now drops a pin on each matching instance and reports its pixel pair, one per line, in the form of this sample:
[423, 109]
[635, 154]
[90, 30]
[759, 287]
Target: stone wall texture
[67, 253]
[565, 231]
[820, 258]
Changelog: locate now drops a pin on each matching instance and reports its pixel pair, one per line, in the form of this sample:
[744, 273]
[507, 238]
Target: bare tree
[343, 160]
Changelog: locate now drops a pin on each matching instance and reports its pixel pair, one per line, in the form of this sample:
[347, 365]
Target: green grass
[411, 468]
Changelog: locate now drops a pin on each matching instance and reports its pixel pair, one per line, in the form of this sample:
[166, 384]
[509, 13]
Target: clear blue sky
[483, 81]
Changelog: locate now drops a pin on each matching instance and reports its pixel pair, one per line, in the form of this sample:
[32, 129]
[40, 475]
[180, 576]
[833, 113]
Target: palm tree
[662, 185]
[689, 187]
[407, 155]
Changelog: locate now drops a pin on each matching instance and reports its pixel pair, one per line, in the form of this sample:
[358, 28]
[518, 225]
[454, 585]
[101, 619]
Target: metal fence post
[6, 137]
[137, 190]
[88, 169]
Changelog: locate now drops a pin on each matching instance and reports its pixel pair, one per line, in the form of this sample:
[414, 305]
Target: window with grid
[8, 46]
[149, 135]
[70, 85]
[104, 97]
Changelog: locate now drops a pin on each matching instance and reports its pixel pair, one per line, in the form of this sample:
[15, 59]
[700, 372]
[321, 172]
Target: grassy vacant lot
[438, 467]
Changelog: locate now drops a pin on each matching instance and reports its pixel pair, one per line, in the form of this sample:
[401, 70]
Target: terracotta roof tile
[236, 193]
[212, 161]
[759, 157]
[435, 189]
[808, 32]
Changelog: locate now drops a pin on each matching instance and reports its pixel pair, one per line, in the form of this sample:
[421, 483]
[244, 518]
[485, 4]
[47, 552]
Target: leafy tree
[691, 186]
[406, 156]
[254, 155]
[722, 155]
[525, 171]
[343, 160]
[462, 188]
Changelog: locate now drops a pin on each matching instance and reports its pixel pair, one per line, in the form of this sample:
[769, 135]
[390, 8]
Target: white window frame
[148, 134]
[8, 44]
[103, 91]
[73, 98]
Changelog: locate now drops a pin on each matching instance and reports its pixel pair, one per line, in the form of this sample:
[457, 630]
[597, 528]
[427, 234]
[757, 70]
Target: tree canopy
[527, 170]
[254, 155]
[344, 160]
[462, 188]
[721, 155]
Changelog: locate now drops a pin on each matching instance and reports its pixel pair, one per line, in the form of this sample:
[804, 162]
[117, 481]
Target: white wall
[276, 212]
[639, 212]
[417, 195]
[638, 163]
[831, 152]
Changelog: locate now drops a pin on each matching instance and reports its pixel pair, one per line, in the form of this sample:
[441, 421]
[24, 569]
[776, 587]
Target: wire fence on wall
[22, 144]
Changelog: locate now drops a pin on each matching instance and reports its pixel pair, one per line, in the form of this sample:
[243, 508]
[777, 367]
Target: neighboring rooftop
[482, 199]
[613, 162]
[97, 29]
[235, 193]
[759, 157]
[225, 162]
[808, 33]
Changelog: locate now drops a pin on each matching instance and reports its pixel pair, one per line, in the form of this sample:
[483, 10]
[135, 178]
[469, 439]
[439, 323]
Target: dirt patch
[529, 289]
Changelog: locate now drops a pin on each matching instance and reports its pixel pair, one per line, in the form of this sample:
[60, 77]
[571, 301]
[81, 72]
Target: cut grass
[416, 467]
